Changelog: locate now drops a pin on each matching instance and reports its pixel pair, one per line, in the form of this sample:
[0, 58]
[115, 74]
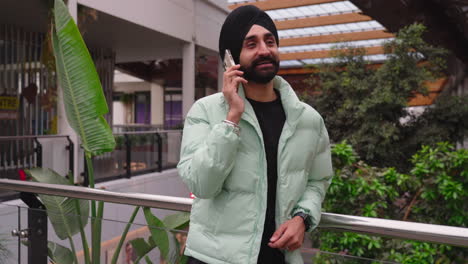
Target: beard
[263, 76]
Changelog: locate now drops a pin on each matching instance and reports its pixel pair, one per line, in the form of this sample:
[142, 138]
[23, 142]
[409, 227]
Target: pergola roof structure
[446, 20]
[309, 29]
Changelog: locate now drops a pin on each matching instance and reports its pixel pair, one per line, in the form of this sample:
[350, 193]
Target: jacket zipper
[262, 157]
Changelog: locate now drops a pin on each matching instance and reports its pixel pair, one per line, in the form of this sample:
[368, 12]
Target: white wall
[169, 17]
[131, 87]
[187, 20]
[208, 21]
[118, 113]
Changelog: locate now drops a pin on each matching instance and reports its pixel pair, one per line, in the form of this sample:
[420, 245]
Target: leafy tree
[434, 191]
[364, 104]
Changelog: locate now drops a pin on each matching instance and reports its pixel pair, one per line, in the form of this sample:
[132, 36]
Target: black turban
[238, 24]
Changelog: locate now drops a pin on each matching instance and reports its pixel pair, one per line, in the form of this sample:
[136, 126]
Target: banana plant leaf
[163, 239]
[83, 96]
[60, 210]
[177, 221]
[148, 260]
[59, 254]
[142, 247]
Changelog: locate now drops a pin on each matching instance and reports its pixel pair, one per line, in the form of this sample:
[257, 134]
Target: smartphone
[228, 60]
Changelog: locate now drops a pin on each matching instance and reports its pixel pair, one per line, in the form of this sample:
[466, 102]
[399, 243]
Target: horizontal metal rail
[456, 236]
[139, 199]
[8, 138]
[146, 132]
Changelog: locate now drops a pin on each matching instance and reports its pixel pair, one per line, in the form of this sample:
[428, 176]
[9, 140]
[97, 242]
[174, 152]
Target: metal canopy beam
[278, 4]
[353, 36]
[321, 21]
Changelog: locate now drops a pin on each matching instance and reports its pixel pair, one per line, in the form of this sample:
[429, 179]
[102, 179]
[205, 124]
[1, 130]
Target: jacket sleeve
[319, 179]
[208, 153]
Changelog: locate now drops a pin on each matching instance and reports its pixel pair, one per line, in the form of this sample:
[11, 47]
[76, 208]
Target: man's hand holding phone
[231, 80]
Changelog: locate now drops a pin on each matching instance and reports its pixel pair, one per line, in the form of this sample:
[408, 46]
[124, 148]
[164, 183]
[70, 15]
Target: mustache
[268, 59]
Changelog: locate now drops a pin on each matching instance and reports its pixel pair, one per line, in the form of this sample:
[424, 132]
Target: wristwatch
[306, 218]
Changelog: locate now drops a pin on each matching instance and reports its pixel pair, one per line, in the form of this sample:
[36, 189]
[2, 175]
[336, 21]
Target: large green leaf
[84, 99]
[148, 260]
[163, 239]
[60, 210]
[142, 247]
[59, 254]
[46, 175]
[177, 221]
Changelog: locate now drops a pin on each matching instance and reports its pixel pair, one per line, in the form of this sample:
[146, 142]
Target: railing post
[128, 153]
[160, 158]
[38, 151]
[71, 155]
[85, 173]
[37, 229]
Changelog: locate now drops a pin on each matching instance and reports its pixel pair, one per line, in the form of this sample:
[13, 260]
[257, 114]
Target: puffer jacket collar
[291, 104]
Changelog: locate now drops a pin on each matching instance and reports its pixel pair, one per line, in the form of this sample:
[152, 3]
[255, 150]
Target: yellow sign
[9, 103]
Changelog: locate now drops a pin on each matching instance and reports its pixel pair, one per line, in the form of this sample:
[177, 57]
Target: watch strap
[306, 218]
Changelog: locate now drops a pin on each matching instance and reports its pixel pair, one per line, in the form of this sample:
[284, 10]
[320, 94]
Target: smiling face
[259, 57]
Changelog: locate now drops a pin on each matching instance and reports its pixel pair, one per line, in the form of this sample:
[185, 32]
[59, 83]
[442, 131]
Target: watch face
[304, 216]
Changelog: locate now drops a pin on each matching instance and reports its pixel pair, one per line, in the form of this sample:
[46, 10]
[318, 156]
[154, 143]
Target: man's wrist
[235, 127]
[234, 116]
[305, 218]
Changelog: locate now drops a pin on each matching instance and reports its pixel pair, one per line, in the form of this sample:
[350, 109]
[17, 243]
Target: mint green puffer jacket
[227, 173]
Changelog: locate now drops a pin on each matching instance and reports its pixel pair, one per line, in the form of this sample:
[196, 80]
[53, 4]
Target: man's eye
[270, 42]
[251, 45]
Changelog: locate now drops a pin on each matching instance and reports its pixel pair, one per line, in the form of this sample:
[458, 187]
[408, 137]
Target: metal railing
[456, 236]
[139, 152]
[29, 155]
[138, 127]
[19, 153]
[136, 153]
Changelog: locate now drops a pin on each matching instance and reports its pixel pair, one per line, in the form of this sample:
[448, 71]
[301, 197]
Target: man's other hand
[289, 235]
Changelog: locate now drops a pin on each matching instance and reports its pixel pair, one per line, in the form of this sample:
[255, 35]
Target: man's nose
[263, 49]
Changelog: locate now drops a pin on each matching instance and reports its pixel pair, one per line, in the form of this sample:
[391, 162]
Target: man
[256, 158]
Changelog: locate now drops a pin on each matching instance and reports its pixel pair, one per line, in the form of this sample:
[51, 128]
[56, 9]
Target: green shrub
[434, 191]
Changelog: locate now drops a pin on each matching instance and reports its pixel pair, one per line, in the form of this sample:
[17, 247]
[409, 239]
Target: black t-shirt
[271, 117]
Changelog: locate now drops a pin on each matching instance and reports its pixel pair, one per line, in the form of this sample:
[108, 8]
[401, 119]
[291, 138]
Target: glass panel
[325, 46]
[274, 14]
[332, 29]
[113, 163]
[114, 223]
[290, 63]
[312, 10]
[144, 152]
[322, 257]
[12, 223]
[171, 148]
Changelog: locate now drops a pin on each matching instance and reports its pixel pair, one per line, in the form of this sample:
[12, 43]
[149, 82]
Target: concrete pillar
[73, 9]
[63, 126]
[188, 77]
[157, 104]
